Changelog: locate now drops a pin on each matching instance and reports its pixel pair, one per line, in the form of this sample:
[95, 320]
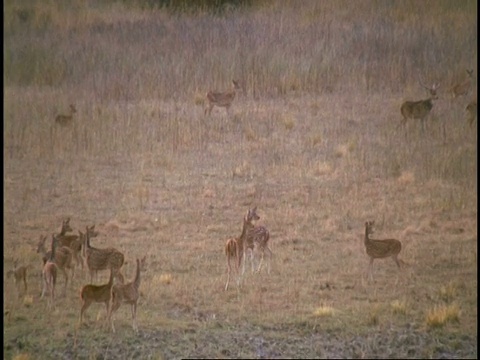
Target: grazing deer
[19, 274]
[464, 87]
[253, 238]
[128, 294]
[65, 120]
[96, 293]
[471, 110]
[222, 99]
[419, 109]
[63, 257]
[102, 259]
[379, 249]
[49, 276]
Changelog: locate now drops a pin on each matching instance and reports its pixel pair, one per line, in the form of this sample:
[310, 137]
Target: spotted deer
[128, 294]
[65, 120]
[19, 274]
[63, 257]
[49, 276]
[90, 294]
[74, 242]
[419, 109]
[103, 259]
[222, 99]
[379, 249]
[464, 87]
[253, 239]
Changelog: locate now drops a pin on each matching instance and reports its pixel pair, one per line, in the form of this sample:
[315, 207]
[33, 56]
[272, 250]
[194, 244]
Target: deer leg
[228, 272]
[134, 317]
[370, 268]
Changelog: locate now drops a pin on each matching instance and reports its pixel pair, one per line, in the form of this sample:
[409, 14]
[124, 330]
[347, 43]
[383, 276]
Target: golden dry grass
[312, 143]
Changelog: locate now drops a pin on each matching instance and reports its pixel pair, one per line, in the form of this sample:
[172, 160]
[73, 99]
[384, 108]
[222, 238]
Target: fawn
[253, 238]
[102, 259]
[64, 120]
[222, 99]
[419, 109]
[379, 249]
[128, 294]
[19, 274]
[49, 276]
[63, 257]
[96, 293]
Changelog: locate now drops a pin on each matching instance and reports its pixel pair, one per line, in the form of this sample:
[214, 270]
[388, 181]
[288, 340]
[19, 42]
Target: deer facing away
[128, 294]
[222, 99]
[253, 239]
[19, 274]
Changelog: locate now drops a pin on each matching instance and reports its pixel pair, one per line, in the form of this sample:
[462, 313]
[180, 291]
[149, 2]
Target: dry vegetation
[311, 141]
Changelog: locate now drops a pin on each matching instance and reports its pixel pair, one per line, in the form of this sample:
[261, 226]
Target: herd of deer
[68, 250]
[410, 109]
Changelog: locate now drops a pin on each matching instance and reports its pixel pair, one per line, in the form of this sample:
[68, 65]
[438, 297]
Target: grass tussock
[323, 311]
[399, 307]
[440, 315]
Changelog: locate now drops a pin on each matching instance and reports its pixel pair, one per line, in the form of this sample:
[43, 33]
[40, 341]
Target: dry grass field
[313, 141]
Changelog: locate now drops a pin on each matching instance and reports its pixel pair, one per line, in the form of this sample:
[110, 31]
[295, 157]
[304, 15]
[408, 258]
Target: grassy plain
[313, 142]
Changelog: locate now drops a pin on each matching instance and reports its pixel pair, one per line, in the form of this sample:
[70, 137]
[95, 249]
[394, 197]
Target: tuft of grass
[440, 315]
[166, 279]
[399, 307]
[28, 300]
[324, 310]
[289, 123]
[448, 292]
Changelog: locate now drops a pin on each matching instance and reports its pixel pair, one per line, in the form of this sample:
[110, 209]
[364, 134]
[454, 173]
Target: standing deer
[128, 294]
[19, 274]
[471, 110]
[103, 259]
[63, 257]
[419, 109]
[379, 249]
[96, 293]
[65, 120]
[222, 99]
[49, 276]
[464, 87]
[253, 238]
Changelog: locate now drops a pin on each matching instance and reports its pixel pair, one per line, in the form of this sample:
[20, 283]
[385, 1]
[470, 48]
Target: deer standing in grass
[222, 99]
[419, 109]
[19, 274]
[49, 276]
[254, 239]
[379, 249]
[103, 259]
[128, 294]
[471, 110]
[464, 87]
[63, 257]
[96, 294]
[74, 242]
[65, 120]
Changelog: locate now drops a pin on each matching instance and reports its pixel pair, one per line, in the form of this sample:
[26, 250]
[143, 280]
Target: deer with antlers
[419, 109]
[252, 239]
